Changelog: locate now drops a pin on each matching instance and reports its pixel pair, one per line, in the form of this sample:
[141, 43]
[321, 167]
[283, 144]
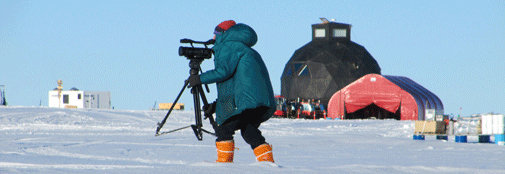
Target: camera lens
[181, 51]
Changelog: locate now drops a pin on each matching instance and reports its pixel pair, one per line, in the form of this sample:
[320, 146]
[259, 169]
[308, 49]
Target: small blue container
[461, 139]
[499, 139]
[419, 137]
[484, 139]
[442, 137]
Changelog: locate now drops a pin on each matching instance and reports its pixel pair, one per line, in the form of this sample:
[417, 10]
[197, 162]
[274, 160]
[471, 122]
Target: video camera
[196, 53]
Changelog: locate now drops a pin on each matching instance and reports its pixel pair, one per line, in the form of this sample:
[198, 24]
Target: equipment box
[430, 127]
[167, 106]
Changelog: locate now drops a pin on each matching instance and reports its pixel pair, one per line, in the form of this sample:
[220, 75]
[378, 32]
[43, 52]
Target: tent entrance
[373, 111]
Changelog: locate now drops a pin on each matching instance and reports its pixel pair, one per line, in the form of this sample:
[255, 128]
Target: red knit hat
[223, 26]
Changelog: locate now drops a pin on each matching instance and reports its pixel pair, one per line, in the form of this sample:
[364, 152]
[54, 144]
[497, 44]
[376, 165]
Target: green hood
[238, 33]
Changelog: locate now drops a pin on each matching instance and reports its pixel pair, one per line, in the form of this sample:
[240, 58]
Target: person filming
[245, 97]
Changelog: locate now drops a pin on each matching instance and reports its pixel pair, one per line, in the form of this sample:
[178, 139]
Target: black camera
[196, 53]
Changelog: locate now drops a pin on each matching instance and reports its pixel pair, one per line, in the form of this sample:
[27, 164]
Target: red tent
[379, 96]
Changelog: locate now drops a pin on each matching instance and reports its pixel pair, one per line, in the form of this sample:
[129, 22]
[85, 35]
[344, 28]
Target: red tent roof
[390, 93]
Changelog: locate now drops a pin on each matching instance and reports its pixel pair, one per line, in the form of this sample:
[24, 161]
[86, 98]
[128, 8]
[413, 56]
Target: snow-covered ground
[50, 140]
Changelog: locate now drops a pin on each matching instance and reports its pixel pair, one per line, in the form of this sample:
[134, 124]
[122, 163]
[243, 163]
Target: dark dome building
[325, 65]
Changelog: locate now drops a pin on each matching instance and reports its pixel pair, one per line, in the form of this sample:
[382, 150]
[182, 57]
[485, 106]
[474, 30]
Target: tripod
[198, 93]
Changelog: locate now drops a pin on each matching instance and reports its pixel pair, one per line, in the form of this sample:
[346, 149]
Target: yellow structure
[167, 106]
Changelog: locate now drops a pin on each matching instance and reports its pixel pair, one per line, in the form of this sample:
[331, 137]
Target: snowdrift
[50, 140]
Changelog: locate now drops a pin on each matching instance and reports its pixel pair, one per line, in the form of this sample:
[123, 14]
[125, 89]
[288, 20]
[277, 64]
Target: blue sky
[456, 49]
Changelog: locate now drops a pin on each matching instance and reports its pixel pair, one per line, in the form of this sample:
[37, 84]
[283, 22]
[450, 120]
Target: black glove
[210, 108]
[193, 80]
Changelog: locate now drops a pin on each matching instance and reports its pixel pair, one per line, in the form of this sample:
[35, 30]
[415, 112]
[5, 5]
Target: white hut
[74, 98]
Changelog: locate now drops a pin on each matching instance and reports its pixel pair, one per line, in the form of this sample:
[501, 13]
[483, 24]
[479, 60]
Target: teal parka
[240, 74]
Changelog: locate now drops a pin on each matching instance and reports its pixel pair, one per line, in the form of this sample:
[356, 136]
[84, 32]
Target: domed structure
[325, 65]
[384, 97]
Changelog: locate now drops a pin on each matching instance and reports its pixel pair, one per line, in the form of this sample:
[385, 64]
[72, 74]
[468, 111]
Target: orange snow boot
[264, 153]
[225, 151]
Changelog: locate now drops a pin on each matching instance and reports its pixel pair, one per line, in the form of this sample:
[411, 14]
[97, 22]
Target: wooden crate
[430, 127]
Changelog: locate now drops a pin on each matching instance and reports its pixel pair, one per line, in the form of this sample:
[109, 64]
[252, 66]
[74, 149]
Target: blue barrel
[442, 137]
[461, 139]
[418, 137]
[484, 139]
[499, 139]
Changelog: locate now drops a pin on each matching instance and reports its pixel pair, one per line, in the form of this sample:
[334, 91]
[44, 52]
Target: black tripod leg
[160, 125]
[197, 128]
[205, 103]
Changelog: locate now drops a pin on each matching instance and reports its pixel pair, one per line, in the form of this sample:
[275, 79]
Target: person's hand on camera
[210, 108]
[193, 80]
